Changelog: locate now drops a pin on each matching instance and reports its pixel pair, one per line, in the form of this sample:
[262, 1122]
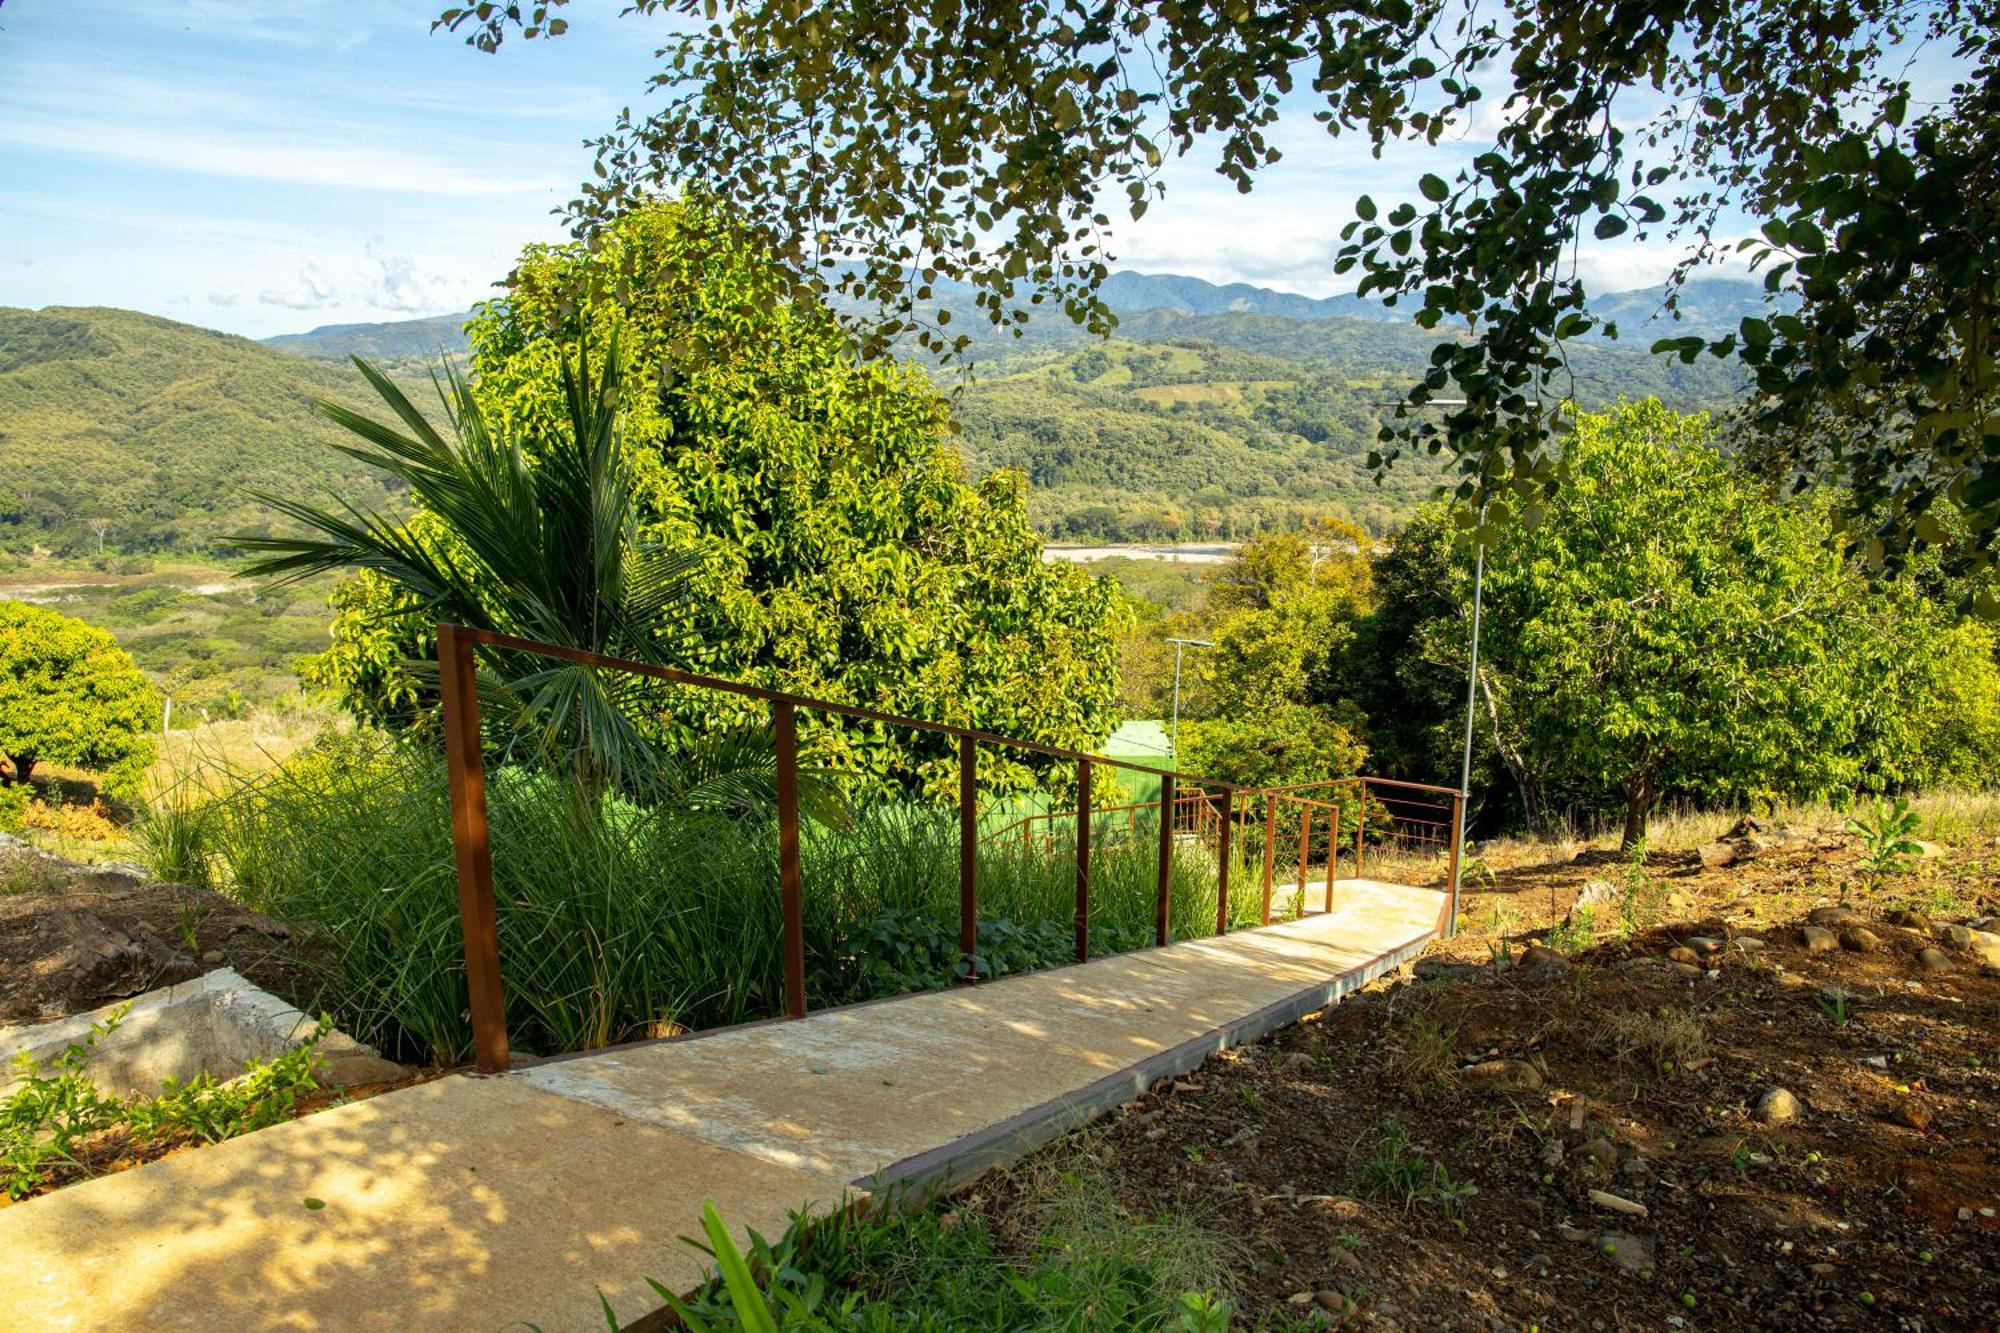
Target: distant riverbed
[1191, 553]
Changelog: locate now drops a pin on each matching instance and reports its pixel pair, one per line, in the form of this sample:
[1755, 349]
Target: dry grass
[1664, 1039]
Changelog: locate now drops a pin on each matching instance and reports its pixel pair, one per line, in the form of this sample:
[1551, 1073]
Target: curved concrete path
[490, 1203]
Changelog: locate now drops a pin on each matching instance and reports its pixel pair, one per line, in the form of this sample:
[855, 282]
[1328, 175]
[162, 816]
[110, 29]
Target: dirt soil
[1424, 1156]
[72, 939]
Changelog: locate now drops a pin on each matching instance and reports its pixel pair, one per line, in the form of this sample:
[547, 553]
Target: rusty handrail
[472, 847]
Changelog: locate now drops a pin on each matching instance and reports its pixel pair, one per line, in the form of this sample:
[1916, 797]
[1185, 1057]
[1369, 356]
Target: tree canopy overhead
[887, 148]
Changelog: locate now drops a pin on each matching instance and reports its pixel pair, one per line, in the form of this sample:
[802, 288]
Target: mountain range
[1152, 305]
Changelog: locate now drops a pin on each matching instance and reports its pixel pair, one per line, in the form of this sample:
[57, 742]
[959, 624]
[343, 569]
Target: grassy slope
[157, 428]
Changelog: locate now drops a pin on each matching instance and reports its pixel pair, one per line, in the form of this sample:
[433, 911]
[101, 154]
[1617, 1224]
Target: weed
[1086, 1264]
[1426, 1052]
[1399, 1171]
[56, 1118]
[1832, 1002]
[1888, 838]
[26, 872]
[1664, 1039]
[1576, 934]
[174, 838]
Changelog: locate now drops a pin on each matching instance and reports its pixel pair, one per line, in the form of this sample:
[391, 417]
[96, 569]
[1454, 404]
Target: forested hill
[151, 430]
[1213, 417]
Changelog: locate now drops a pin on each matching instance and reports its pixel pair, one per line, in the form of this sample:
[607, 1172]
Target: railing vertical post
[1082, 860]
[1270, 849]
[1305, 857]
[1163, 903]
[465, 769]
[1360, 827]
[1222, 860]
[1457, 850]
[785, 726]
[968, 856]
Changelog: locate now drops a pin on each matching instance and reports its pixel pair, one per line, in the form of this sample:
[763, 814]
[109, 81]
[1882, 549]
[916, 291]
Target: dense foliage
[125, 433]
[965, 144]
[827, 539]
[70, 695]
[1668, 629]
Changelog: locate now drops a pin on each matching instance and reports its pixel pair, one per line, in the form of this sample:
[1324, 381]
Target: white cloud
[222, 298]
[312, 292]
[395, 285]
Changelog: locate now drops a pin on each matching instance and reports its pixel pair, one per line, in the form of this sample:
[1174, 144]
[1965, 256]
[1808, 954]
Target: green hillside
[151, 430]
[1265, 421]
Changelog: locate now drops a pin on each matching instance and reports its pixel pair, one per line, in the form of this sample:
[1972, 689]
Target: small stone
[1502, 1076]
[1777, 1106]
[1540, 955]
[212, 957]
[1822, 1270]
[1985, 946]
[360, 1067]
[1298, 1060]
[1933, 960]
[1749, 944]
[1634, 1254]
[1617, 1203]
[1716, 855]
[1912, 1114]
[1875, 1061]
[1601, 1153]
[1689, 970]
[1910, 920]
[1820, 940]
[1955, 937]
[1860, 939]
[1333, 1302]
[1683, 955]
[1552, 1153]
[1705, 944]
[1835, 917]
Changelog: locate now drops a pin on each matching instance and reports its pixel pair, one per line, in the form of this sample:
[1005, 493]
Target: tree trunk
[23, 766]
[1528, 779]
[1638, 804]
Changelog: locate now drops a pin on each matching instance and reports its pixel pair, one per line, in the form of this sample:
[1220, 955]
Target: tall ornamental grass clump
[619, 920]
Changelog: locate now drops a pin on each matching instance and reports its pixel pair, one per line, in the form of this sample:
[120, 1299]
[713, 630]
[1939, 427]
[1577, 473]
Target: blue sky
[265, 166]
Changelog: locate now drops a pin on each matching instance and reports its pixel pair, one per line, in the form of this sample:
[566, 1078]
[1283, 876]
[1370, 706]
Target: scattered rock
[1716, 855]
[1835, 917]
[1777, 1106]
[1601, 1153]
[212, 957]
[1933, 960]
[1683, 955]
[1928, 850]
[1540, 955]
[354, 1070]
[1502, 1076]
[1334, 1303]
[1909, 920]
[1911, 1113]
[1441, 969]
[1985, 946]
[1298, 1060]
[1860, 939]
[1705, 944]
[1820, 940]
[1689, 970]
[1748, 944]
[1955, 937]
[1599, 895]
[1617, 1203]
[1634, 1254]
[1552, 1153]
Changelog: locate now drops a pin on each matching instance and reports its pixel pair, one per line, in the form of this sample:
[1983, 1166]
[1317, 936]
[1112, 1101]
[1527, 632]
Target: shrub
[619, 920]
[70, 695]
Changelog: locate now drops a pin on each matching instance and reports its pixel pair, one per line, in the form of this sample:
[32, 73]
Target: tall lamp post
[1180, 644]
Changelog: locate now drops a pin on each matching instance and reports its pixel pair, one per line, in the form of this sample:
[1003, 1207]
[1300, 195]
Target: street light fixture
[1180, 644]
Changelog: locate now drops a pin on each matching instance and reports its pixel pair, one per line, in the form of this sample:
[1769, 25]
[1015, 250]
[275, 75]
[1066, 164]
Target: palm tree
[536, 537]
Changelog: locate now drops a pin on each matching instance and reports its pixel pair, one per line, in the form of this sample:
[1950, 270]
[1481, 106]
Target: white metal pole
[1471, 701]
[1176, 741]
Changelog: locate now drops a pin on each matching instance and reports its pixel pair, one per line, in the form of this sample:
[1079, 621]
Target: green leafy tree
[1668, 626]
[830, 544]
[889, 149]
[70, 695]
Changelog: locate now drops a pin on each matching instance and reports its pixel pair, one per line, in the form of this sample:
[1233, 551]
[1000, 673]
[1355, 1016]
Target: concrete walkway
[488, 1203]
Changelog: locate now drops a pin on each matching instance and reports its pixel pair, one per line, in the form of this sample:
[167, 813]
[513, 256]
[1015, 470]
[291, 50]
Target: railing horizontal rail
[674, 675]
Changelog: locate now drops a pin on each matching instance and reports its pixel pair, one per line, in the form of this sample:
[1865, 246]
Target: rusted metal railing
[1208, 811]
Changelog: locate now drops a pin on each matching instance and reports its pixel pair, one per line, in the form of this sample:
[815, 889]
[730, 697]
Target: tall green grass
[619, 921]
